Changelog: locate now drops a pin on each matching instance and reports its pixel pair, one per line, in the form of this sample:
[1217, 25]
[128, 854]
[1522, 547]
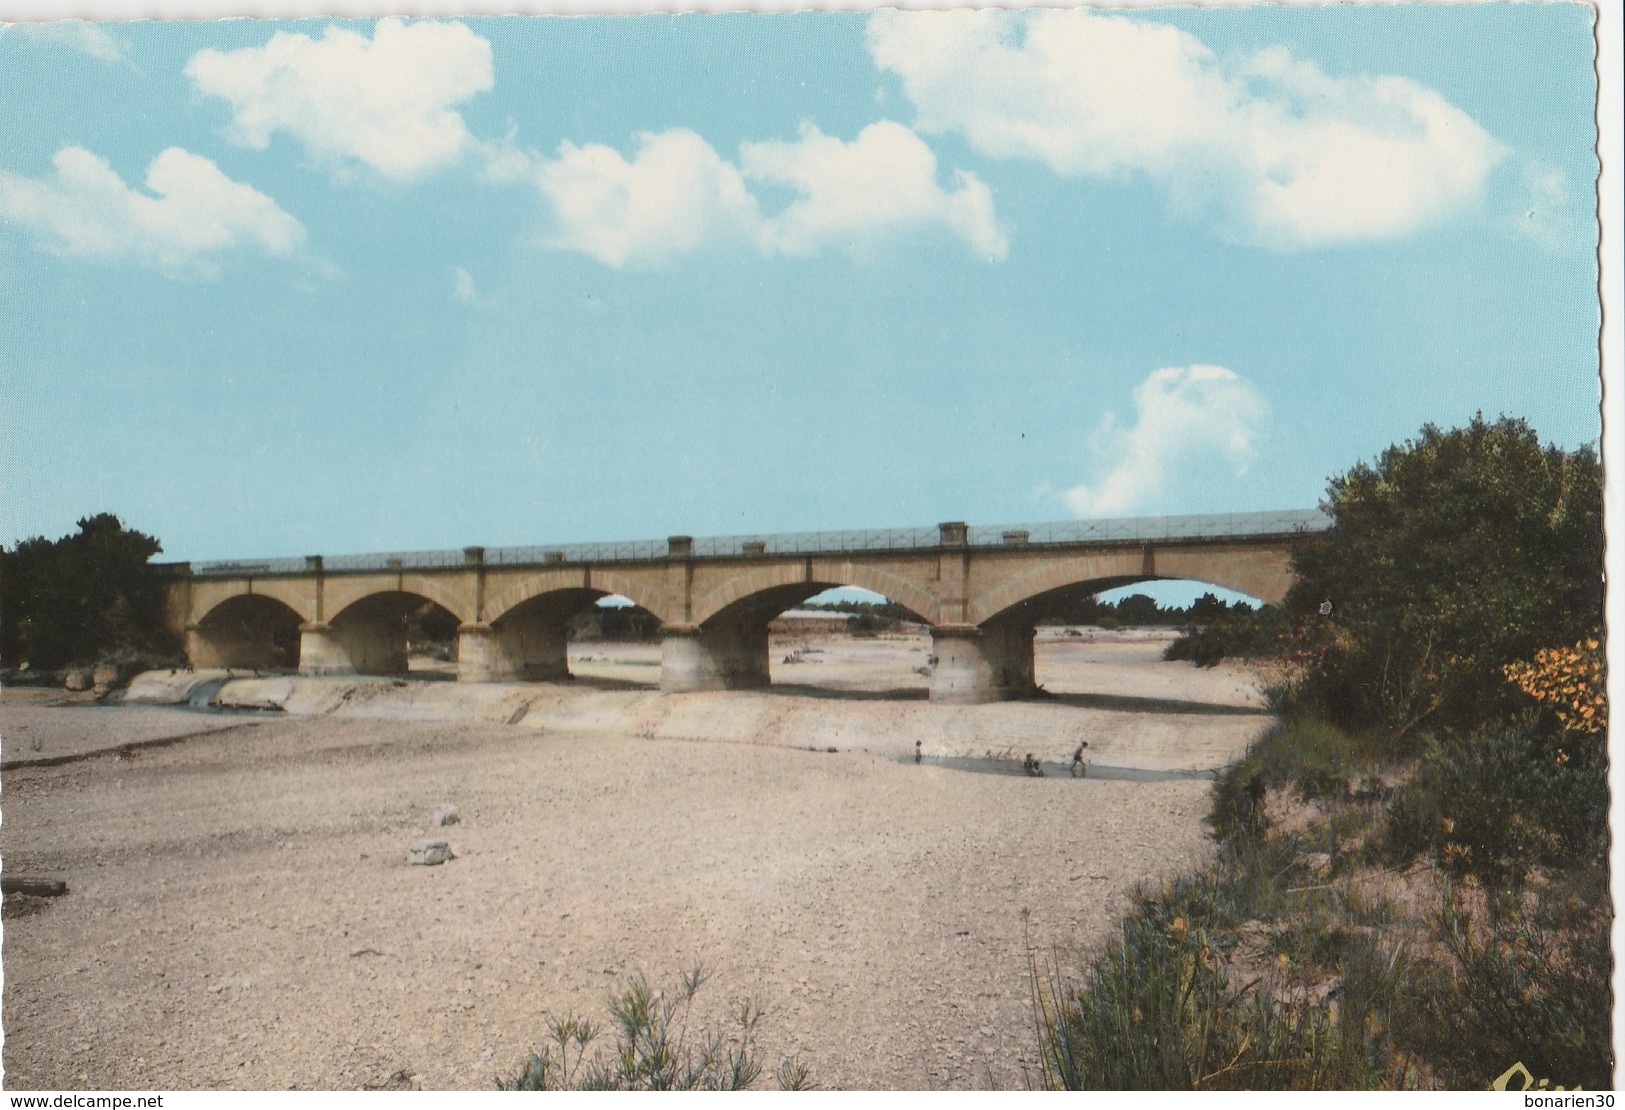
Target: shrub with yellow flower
[1568, 681]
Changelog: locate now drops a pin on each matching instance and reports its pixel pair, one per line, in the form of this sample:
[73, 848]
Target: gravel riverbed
[241, 913]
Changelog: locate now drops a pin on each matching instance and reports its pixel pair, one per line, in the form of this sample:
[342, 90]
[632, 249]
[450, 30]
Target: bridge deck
[1113, 530]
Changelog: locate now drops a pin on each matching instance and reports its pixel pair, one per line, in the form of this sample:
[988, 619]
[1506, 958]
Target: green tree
[82, 597]
[1455, 554]
[1139, 609]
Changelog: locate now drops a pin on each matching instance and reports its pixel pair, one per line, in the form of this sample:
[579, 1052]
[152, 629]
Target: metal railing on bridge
[1139, 529]
[1206, 526]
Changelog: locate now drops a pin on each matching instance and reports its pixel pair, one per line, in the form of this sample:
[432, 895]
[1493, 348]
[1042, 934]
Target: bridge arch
[599, 582]
[250, 631]
[372, 633]
[1255, 574]
[344, 593]
[725, 645]
[1020, 598]
[208, 595]
[529, 640]
[761, 588]
[997, 659]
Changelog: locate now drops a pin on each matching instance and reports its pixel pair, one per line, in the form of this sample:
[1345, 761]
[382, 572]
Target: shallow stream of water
[201, 700]
[984, 766]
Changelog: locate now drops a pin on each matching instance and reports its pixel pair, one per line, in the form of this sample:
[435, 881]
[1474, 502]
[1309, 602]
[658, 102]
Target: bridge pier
[974, 664]
[727, 657]
[320, 651]
[518, 652]
[364, 648]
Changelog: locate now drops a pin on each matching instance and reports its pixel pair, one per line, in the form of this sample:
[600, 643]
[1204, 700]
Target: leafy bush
[868, 624]
[651, 1051]
[1217, 630]
[1206, 647]
[82, 598]
[1495, 804]
[1455, 554]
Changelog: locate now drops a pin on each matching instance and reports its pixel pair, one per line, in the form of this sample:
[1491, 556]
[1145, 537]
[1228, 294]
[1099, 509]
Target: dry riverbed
[241, 913]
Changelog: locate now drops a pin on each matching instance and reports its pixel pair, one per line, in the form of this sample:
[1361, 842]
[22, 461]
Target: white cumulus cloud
[76, 34]
[673, 197]
[1270, 149]
[1187, 419]
[388, 102]
[193, 211]
[462, 285]
[882, 183]
[676, 196]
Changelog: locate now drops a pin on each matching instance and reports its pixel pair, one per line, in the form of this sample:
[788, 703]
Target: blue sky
[279, 288]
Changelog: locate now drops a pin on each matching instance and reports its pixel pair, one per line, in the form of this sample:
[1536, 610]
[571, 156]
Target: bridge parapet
[1153, 529]
[1113, 530]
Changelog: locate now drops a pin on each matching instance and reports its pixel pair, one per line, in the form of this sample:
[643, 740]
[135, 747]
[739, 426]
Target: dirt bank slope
[1188, 736]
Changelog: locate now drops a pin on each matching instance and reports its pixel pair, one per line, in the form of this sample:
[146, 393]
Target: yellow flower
[1569, 680]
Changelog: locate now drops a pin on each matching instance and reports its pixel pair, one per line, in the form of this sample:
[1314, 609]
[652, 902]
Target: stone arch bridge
[980, 590]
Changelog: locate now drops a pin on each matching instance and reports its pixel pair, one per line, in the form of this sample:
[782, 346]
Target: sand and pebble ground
[241, 913]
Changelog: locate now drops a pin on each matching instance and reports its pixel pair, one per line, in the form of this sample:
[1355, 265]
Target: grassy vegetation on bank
[1357, 930]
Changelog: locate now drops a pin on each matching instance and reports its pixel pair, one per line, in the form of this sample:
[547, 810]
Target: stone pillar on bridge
[517, 652]
[699, 657]
[362, 648]
[200, 653]
[974, 664]
[321, 651]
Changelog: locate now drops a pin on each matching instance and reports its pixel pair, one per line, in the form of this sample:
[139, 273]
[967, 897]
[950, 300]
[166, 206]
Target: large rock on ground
[427, 853]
